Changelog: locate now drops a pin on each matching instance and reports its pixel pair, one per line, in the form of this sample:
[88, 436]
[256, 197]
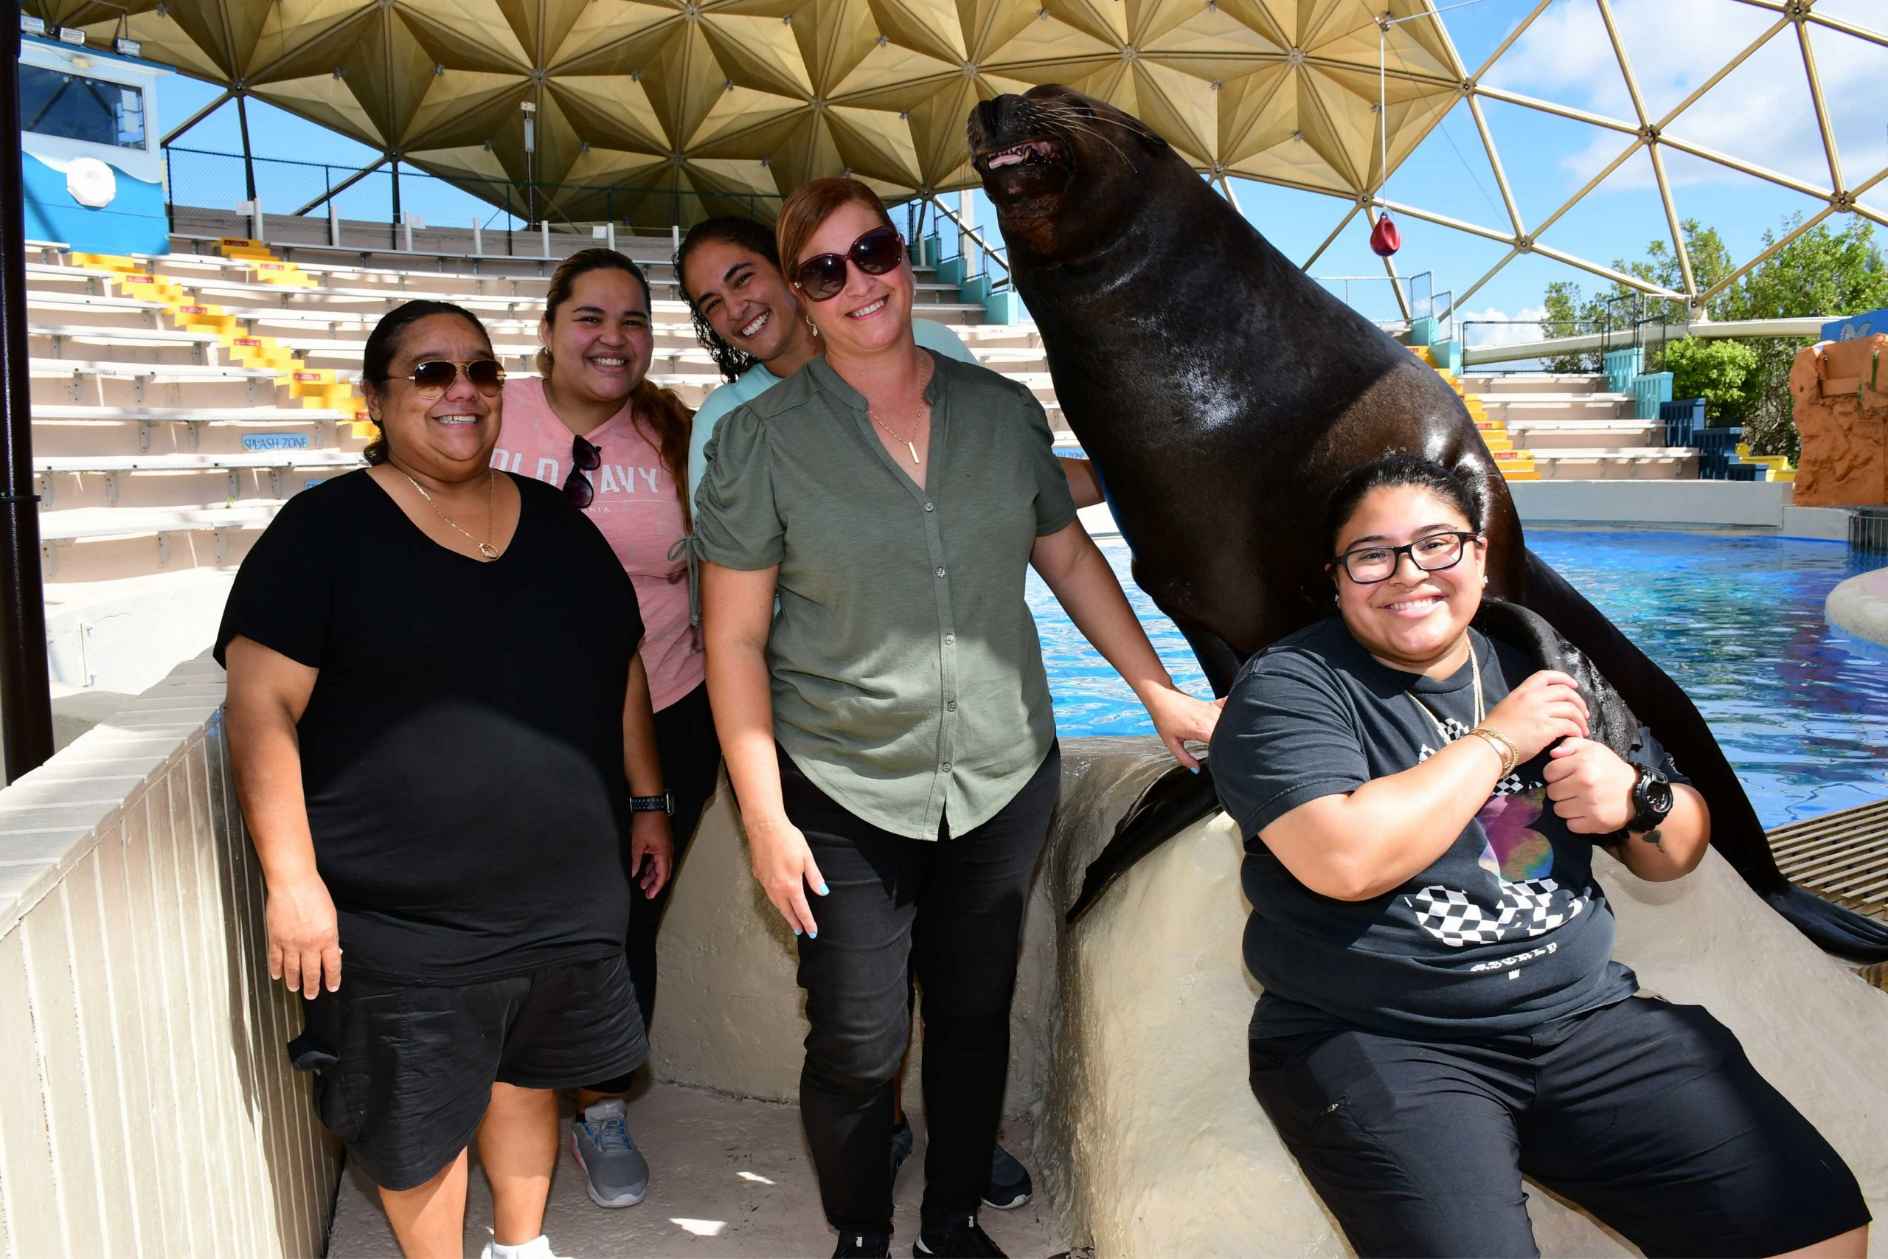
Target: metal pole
[25, 688]
[172, 135]
[249, 161]
[336, 190]
[396, 201]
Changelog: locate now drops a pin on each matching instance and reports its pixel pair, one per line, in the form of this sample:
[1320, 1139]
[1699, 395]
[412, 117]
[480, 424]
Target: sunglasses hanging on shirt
[583, 458]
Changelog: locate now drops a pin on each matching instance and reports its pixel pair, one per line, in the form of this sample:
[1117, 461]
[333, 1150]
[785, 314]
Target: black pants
[691, 763]
[951, 910]
[1645, 1113]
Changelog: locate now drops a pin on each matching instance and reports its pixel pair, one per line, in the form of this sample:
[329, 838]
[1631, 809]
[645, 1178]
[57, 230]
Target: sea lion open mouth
[1028, 152]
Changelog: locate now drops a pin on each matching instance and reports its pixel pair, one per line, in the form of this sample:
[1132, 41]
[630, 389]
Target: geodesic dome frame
[672, 110]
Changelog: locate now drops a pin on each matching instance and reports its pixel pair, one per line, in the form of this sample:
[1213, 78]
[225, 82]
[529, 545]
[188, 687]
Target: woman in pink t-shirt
[618, 446]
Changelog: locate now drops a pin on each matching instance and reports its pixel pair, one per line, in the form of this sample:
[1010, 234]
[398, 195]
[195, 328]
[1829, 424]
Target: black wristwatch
[1651, 802]
[665, 803]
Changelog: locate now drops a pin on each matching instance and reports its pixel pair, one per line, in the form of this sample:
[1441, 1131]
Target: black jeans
[1645, 1113]
[691, 763]
[951, 911]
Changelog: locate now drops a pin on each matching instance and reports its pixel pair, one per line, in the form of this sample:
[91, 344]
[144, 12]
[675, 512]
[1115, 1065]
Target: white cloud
[1761, 113]
[1494, 326]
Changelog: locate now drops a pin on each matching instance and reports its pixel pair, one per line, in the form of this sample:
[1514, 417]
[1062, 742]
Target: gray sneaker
[614, 1170]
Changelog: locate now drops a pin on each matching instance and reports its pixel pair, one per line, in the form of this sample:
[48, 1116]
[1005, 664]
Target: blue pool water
[1801, 709]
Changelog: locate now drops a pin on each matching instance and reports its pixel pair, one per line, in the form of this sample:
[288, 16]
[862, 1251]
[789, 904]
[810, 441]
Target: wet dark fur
[1223, 393]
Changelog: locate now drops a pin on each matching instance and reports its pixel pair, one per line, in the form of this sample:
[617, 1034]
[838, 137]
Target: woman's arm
[651, 845]
[1376, 838]
[1084, 485]
[268, 692]
[1077, 572]
[1591, 787]
[737, 613]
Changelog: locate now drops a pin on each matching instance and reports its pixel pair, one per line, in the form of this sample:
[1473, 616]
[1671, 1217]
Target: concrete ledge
[1757, 504]
[1859, 606]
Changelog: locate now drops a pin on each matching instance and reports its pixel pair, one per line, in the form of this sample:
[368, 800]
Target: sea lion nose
[987, 117]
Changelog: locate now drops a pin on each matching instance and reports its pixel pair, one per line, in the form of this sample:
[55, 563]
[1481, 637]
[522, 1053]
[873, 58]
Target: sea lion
[1222, 393]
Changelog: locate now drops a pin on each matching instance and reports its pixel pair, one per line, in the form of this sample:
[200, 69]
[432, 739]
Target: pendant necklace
[486, 549]
[1480, 713]
[910, 442]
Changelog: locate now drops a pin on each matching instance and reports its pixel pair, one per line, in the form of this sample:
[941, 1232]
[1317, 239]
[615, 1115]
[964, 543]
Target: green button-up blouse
[906, 672]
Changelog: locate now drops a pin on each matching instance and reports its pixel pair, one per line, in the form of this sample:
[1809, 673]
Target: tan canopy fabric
[665, 111]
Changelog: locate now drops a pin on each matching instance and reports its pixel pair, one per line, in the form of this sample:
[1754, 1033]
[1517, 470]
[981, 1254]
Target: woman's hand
[1546, 707]
[1591, 787]
[784, 868]
[304, 940]
[1179, 719]
[651, 851]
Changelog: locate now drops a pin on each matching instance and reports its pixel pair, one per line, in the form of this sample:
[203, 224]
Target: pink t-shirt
[638, 510]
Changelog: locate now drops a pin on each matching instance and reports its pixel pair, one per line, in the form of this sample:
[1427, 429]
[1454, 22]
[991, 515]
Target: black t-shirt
[1506, 930]
[462, 752]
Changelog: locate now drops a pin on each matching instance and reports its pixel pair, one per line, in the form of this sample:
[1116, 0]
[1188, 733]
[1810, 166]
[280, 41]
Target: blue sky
[1762, 113]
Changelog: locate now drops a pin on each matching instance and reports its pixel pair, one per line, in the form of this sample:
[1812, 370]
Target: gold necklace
[910, 442]
[486, 549]
[1480, 712]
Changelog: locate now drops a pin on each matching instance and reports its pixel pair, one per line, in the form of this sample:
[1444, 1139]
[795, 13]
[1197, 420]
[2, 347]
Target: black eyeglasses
[1368, 565]
[435, 375]
[823, 275]
[583, 458]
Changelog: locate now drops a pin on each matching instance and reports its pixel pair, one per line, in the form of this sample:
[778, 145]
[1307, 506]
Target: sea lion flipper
[1173, 802]
[1736, 831]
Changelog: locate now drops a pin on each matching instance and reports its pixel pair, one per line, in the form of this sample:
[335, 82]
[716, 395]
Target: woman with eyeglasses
[1442, 1013]
[888, 732]
[593, 423]
[439, 726]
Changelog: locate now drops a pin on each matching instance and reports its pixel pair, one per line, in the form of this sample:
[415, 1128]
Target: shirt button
[940, 571]
[950, 640]
[950, 705]
[946, 767]
[930, 506]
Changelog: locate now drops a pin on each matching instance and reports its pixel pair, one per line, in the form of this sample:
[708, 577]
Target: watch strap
[664, 803]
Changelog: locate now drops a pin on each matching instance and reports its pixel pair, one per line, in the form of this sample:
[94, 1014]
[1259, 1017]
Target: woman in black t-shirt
[434, 703]
[1442, 1013]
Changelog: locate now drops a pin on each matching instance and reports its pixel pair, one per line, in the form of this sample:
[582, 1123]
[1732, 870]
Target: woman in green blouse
[888, 731]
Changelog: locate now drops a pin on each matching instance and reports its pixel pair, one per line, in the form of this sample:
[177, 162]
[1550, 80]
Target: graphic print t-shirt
[638, 508]
[1506, 930]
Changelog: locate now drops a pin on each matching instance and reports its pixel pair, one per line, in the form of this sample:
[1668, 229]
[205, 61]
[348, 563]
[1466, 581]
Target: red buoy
[1384, 238]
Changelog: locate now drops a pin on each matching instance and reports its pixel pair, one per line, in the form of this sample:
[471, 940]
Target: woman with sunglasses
[439, 727]
[592, 423]
[888, 732]
[1442, 1013]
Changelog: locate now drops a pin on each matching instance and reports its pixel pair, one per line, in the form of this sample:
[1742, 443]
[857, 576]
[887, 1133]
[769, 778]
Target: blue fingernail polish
[796, 931]
[812, 935]
[1193, 769]
[822, 889]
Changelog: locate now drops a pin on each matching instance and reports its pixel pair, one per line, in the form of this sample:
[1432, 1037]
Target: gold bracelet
[1504, 750]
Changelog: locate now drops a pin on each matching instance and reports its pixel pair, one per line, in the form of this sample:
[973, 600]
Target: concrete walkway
[729, 1179]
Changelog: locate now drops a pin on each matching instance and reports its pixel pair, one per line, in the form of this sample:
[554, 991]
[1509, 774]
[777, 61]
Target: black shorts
[404, 1072]
[1645, 1113]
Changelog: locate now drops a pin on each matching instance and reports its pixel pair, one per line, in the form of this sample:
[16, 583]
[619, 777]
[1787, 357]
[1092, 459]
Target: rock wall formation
[1130, 1028]
[1841, 393]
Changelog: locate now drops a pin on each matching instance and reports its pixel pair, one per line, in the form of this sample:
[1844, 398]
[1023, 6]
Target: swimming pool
[1800, 708]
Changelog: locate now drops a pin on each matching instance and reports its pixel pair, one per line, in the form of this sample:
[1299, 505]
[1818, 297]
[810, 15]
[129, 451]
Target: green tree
[1828, 270]
[1716, 371]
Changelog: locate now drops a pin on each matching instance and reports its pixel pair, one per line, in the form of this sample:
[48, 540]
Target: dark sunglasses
[438, 374]
[583, 458]
[822, 276]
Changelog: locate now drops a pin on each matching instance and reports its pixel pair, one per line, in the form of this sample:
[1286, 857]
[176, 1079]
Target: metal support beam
[1776, 247]
[1232, 198]
[249, 161]
[1652, 149]
[1559, 111]
[1519, 30]
[344, 185]
[170, 137]
[1442, 220]
[1822, 110]
[396, 199]
[1330, 240]
[25, 687]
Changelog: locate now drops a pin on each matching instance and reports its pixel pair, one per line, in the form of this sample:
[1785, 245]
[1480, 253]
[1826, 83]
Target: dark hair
[383, 346]
[668, 417]
[748, 234]
[1400, 467]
